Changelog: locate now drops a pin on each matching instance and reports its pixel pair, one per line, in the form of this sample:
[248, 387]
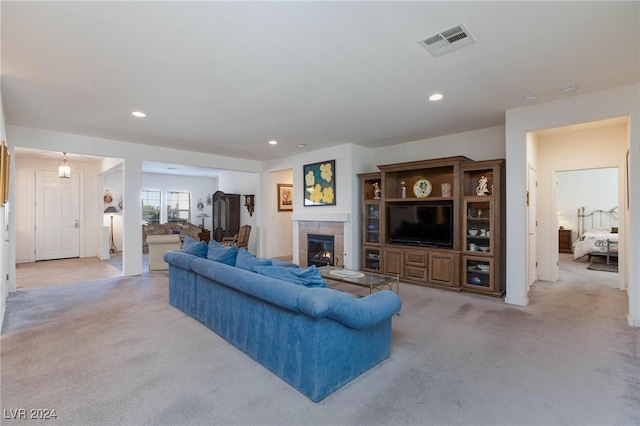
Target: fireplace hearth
[320, 250]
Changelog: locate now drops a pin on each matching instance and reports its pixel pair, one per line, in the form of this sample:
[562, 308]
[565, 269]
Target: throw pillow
[248, 261]
[215, 243]
[309, 277]
[222, 254]
[191, 246]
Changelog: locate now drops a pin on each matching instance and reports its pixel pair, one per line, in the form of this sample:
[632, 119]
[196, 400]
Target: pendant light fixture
[64, 169]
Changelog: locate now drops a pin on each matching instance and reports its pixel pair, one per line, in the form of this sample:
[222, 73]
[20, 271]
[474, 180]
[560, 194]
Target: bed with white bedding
[598, 234]
[596, 242]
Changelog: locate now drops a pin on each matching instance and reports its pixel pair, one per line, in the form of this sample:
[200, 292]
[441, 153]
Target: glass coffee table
[370, 280]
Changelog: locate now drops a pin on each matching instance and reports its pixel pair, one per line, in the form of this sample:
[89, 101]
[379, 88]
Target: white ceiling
[227, 77]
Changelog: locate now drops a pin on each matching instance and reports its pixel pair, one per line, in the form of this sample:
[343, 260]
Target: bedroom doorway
[587, 209]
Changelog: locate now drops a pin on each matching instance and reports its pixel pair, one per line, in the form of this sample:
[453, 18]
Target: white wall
[619, 102]
[279, 222]
[483, 144]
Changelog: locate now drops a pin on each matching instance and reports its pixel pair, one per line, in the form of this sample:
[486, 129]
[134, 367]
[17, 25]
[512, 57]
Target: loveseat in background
[315, 339]
[186, 229]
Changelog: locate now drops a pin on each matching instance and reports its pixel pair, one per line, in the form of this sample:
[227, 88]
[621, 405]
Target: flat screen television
[425, 225]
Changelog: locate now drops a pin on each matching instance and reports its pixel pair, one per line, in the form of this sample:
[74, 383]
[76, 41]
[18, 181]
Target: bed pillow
[309, 277]
[197, 248]
[222, 254]
[248, 261]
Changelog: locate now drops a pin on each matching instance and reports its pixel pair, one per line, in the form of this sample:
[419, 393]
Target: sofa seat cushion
[308, 277]
[248, 261]
[198, 248]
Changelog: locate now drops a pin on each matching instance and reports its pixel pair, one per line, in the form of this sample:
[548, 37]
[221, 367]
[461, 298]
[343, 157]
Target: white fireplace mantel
[315, 217]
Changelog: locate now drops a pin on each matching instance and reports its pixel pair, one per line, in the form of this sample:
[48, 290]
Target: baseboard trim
[519, 302]
[633, 322]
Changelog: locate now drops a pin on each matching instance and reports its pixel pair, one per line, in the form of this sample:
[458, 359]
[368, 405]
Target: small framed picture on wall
[285, 197]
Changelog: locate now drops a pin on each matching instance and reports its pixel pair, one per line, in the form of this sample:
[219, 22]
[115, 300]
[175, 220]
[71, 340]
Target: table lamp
[203, 215]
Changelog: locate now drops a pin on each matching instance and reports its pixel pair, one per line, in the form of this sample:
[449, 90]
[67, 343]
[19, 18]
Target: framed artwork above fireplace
[320, 183]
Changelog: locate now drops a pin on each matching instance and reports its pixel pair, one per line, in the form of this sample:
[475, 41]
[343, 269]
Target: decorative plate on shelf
[422, 188]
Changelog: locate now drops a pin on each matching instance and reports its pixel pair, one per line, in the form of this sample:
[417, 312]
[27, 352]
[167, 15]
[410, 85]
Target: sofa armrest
[179, 259]
[358, 313]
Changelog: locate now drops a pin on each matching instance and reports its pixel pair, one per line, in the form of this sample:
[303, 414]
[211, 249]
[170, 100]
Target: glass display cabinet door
[478, 226]
[478, 273]
[372, 258]
[372, 224]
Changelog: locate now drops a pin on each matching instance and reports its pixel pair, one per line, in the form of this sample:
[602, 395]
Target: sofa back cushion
[248, 261]
[198, 248]
[308, 277]
[222, 254]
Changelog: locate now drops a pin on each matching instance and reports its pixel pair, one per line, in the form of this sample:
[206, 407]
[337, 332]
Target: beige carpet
[65, 271]
[113, 351]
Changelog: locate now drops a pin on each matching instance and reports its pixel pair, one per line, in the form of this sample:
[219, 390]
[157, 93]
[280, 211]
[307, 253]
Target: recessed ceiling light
[138, 114]
[273, 142]
[530, 98]
[435, 97]
[569, 89]
[301, 145]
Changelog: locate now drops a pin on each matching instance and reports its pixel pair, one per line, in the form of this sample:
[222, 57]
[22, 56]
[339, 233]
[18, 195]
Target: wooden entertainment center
[461, 248]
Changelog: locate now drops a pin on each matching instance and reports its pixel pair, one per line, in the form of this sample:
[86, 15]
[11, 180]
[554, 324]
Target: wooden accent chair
[241, 239]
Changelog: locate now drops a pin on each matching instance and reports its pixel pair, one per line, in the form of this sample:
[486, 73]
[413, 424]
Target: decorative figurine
[376, 191]
[404, 189]
[481, 189]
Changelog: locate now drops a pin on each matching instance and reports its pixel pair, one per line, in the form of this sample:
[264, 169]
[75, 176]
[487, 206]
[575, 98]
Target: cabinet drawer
[417, 274]
[416, 258]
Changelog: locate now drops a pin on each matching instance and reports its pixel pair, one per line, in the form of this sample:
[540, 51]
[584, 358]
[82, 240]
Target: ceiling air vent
[447, 40]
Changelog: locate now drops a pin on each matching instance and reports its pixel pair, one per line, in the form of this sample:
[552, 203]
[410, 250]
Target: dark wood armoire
[226, 215]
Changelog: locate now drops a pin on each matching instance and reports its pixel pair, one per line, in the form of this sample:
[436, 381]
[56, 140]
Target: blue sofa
[315, 339]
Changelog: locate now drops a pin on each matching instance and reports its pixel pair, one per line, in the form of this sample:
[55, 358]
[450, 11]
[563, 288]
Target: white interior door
[532, 224]
[57, 216]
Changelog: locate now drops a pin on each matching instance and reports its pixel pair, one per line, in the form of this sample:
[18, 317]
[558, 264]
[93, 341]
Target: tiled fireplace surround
[306, 227]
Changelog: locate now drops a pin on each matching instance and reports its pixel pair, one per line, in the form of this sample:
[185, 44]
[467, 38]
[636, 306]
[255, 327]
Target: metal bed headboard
[597, 218]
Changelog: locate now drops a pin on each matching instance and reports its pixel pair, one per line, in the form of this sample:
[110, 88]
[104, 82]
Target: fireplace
[320, 250]
[322, 228]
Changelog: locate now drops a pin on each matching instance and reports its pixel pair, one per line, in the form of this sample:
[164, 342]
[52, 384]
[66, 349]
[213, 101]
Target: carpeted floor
[113, 351]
